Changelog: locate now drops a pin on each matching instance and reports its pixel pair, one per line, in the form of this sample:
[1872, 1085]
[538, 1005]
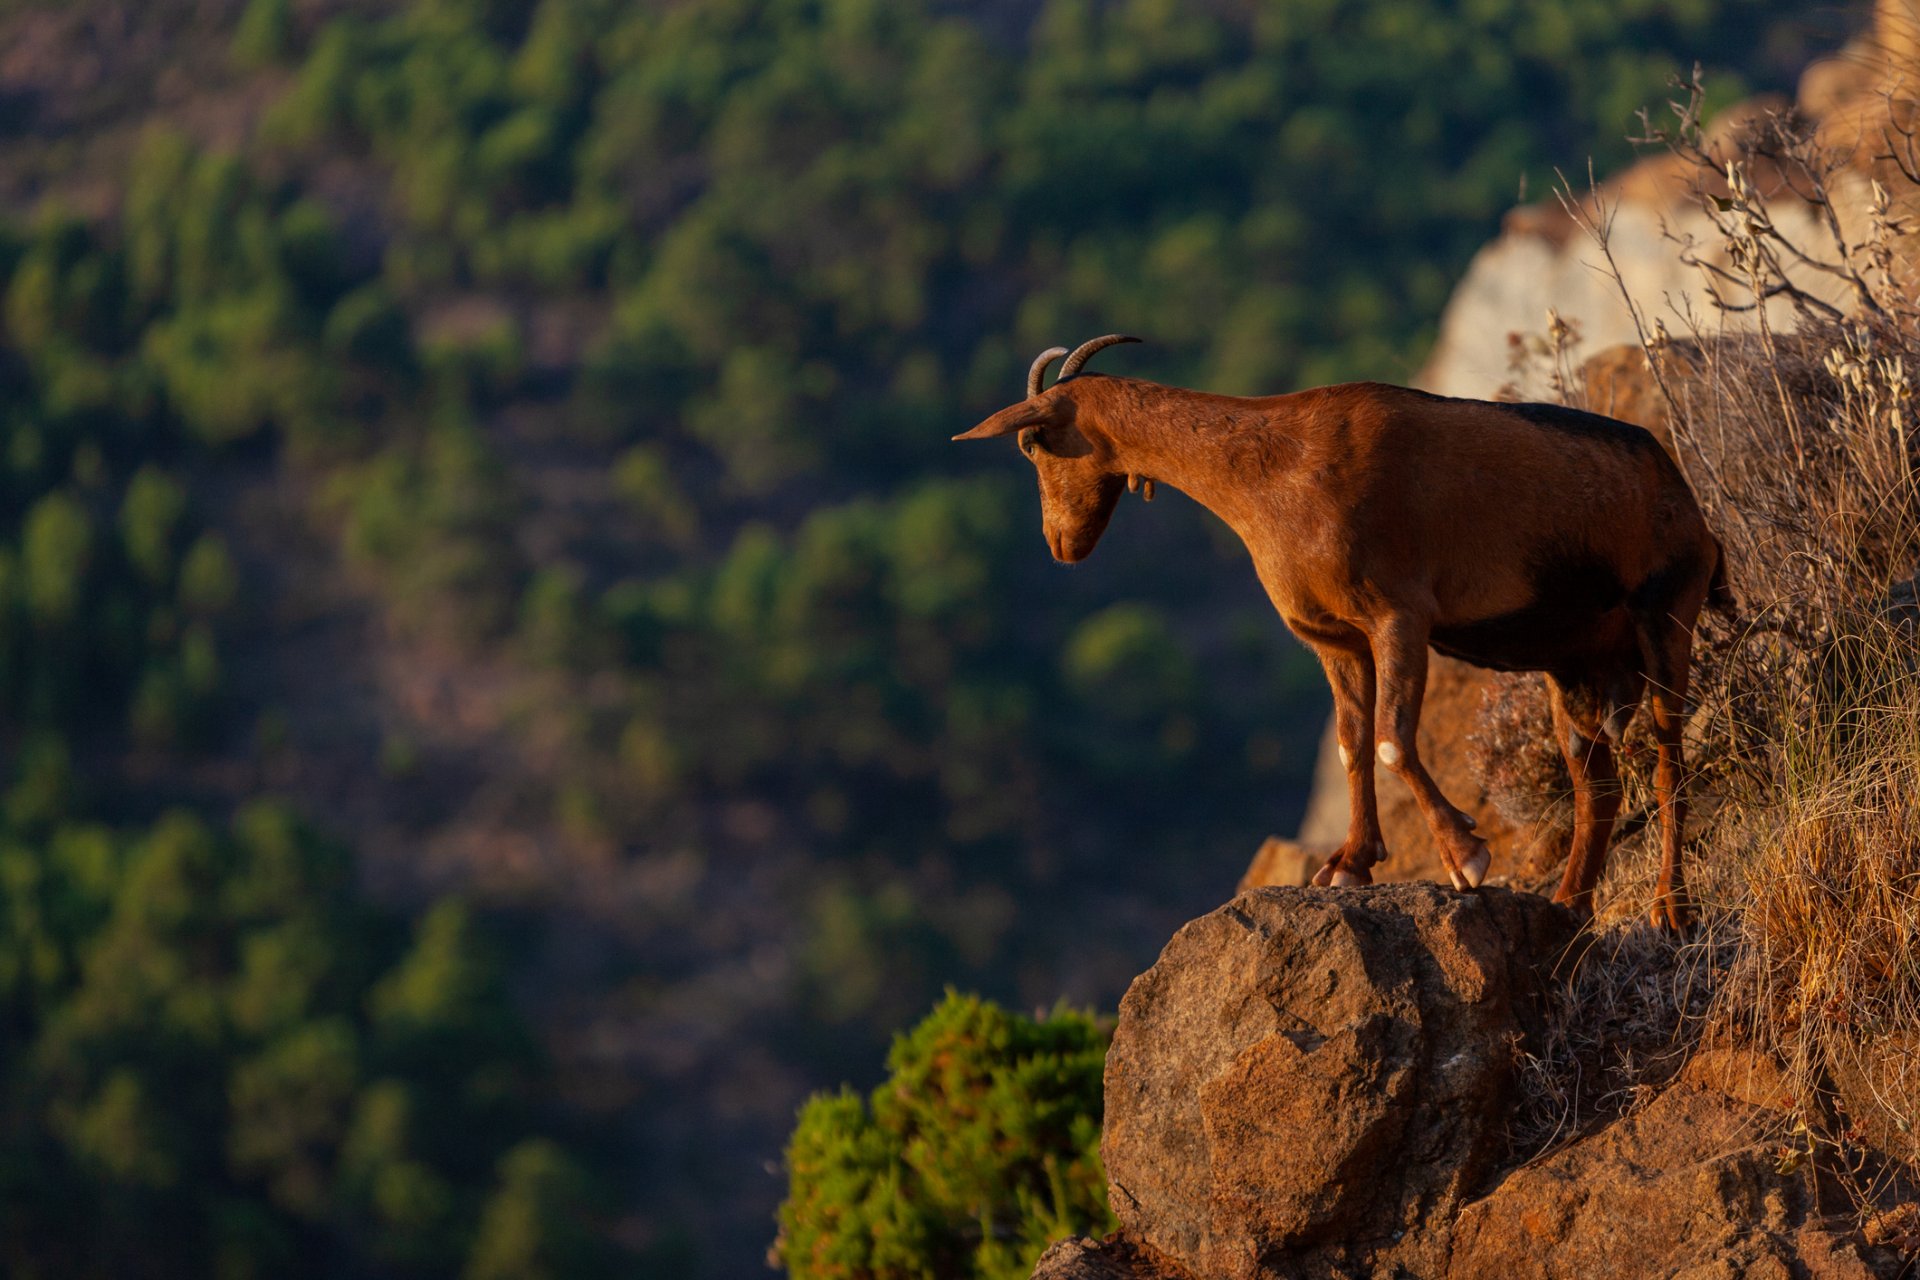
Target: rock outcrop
[1293, 1047]
[1318, 1082]
[1691, 1185]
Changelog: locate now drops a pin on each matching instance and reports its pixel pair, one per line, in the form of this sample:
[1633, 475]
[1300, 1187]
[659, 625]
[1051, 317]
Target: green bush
[982, 1146]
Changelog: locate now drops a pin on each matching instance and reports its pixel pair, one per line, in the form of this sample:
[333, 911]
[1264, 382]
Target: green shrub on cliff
[981, 1146]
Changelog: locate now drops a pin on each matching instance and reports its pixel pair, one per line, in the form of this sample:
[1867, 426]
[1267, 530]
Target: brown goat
[1382, 520]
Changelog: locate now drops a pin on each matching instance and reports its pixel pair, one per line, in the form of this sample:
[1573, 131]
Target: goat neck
[1215, 449]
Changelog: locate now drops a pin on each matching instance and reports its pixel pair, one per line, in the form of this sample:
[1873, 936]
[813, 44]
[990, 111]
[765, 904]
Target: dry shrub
[1630, 999]
[1828, 972]
[1525, 776]
[1797, 431]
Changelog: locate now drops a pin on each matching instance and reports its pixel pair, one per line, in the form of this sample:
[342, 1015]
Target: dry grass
[1797, 431]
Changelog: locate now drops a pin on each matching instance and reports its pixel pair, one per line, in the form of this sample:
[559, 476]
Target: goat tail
[1719, 594]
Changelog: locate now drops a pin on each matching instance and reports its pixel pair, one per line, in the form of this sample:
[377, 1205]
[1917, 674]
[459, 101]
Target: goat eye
[1029, 441]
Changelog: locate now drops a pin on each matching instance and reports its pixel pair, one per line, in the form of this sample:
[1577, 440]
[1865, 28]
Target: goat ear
[1003, 423]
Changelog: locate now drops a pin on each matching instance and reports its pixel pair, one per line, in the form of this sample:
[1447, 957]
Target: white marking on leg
[1389, 754]
[1346, 757]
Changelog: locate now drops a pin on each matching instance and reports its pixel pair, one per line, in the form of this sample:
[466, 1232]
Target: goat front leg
[1400, 659]
[1350, 673]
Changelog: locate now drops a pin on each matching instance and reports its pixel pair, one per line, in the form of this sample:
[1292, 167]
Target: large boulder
[1318, 1082]
[1313, 1080]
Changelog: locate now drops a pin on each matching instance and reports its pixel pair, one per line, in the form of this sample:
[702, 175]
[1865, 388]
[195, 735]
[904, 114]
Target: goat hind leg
[1400, 658]
[1580, 728]
[1350, 674]
[1670, 649]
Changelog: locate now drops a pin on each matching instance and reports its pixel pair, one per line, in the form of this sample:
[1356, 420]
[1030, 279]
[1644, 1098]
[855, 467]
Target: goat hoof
[1473, 868]
[1345, 879]
[1670, 915]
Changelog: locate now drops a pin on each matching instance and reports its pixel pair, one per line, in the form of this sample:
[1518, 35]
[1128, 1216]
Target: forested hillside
[506, 684]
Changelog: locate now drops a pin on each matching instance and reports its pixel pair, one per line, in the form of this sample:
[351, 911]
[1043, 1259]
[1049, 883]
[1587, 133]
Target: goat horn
[1084, 352]
[1038, 372]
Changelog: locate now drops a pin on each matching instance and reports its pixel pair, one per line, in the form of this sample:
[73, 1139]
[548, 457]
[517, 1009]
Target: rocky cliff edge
[1321, 1083]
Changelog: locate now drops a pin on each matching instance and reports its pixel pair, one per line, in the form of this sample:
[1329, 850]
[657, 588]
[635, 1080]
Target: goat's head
[1079, 479]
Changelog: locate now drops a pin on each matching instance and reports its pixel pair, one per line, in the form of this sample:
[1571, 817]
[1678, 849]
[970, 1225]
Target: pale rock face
[1543, 258]
[1513, 282]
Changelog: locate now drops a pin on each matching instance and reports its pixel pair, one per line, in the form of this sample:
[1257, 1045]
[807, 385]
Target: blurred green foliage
[980, 1148]
[222, 1061]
